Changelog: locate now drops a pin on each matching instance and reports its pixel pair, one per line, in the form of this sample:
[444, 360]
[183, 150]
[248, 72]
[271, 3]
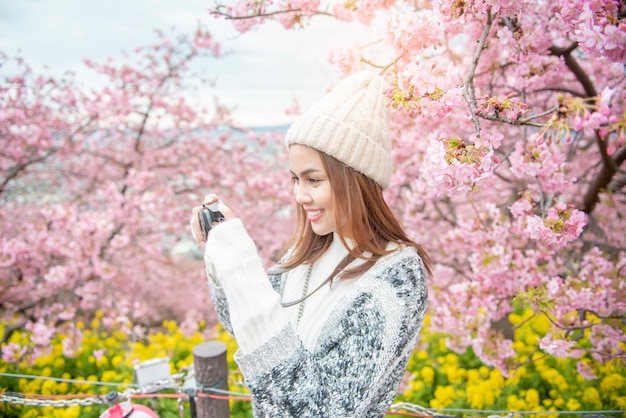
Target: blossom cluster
[454, 166]
[560, 226]
[543, 163]
[422, 93]
[413, 31]
[597, 29]
[507, 107]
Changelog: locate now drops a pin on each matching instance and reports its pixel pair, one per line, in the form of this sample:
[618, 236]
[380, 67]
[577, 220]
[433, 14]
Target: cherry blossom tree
[508, 122]
[97, 187]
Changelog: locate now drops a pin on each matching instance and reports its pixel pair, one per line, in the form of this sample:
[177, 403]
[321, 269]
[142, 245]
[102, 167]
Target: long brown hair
[362, 215]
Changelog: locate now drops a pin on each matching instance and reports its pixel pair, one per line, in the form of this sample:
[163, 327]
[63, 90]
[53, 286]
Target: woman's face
[311, 188]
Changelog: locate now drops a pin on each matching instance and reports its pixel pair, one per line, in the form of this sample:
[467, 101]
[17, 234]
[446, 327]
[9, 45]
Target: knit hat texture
[351, 124]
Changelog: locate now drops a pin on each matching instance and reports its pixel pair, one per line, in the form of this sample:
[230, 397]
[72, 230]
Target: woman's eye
[313, 181]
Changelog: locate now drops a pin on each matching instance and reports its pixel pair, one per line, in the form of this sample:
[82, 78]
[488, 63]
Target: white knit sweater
[349, 353]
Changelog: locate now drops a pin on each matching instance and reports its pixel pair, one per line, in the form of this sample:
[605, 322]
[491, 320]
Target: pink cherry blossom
[41, 332]
[508, 125]
[559, 347]
[413, 32]
[13, 352]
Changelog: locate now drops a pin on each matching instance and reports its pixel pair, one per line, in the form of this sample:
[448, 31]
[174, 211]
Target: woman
[328, 331]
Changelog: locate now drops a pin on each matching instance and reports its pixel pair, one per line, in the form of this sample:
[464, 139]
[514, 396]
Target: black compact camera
[208, 216]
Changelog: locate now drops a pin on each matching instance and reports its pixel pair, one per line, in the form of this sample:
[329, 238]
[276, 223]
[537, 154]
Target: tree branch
[602, 180]
[228, 16]
[516, 122]
[468, 84]
[575, 68]
[609, 164]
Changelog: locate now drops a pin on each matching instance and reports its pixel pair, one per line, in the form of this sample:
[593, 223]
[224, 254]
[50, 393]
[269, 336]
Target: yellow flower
[520, 347]
[541, 324]
[39, 412]
[181, 364]
[620, 401]
[48, 387]
[428, 374]
[110, 376]
[532, 398]
[472, 376]
[531, 339]
[490, 396]
[515, 376]
[111, 342]
[612, 382]
[591, 396]
[455, 374]
[515, 319]
[116, 361]
[120, 336]
[573, 404]
[476, 397]
[63, 387]
[171, 326]
[69, 412]
[102, 362]
[496, 379]
[513, 403]
[451, 358]
[444, 396]
[442, 344]
[418, 385]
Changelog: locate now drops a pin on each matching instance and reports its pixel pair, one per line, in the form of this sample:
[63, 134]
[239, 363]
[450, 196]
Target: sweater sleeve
[219, 300]
[360, 356]
[254, 309]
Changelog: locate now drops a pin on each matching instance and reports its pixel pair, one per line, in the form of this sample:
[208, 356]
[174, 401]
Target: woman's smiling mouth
[315, 214]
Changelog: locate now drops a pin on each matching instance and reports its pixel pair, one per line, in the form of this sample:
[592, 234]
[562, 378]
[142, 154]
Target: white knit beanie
[351, 124]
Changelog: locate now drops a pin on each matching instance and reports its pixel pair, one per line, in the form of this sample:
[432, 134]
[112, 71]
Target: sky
[263, 72]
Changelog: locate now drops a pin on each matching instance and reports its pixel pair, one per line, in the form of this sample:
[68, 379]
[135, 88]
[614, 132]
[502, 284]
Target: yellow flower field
[437, 378]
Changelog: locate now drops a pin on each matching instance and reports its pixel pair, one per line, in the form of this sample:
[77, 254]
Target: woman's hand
[195, 221]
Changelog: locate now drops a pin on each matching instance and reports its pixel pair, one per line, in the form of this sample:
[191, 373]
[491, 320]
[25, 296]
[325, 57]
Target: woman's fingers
[195, 221]
[195, 226]
[210, 198]
[226, 211]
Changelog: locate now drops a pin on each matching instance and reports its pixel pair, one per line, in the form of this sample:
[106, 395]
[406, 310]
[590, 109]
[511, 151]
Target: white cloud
[267, 68]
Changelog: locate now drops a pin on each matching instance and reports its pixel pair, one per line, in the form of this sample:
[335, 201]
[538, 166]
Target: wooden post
[211, 371]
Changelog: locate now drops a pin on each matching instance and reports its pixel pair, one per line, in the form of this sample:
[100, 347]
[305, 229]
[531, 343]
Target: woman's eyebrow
[307, 171]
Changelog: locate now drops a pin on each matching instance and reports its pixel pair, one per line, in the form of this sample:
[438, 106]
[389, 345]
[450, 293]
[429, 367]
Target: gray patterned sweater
[361, 353]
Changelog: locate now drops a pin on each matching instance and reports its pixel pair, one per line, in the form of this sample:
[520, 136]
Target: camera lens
[208, 216]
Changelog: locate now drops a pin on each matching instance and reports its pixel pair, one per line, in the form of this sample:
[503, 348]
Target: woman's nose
[301, 195]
